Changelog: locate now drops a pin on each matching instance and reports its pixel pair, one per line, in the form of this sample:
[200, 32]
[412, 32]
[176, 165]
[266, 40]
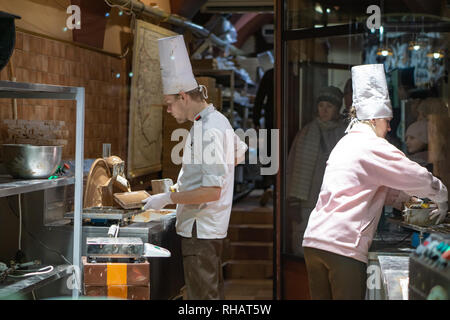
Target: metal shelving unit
[22, 90]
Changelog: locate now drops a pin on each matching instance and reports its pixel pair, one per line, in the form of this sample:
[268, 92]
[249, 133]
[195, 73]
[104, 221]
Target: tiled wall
[42, 60]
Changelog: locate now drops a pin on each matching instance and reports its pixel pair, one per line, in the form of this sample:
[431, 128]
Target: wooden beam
[93, 22]
[186, 9]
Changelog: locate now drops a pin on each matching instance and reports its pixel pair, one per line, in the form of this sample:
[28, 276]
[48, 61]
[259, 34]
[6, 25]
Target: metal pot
[7, 37]
[31, 162]
[419, 217]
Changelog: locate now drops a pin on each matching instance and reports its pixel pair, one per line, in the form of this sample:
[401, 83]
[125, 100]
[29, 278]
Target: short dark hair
[195, 95]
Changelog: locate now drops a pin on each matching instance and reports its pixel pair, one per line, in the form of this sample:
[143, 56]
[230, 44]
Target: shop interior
[122, 136]
[84, 77]
[320, 42]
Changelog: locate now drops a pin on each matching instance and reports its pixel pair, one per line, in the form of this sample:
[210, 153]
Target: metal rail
[140, 8]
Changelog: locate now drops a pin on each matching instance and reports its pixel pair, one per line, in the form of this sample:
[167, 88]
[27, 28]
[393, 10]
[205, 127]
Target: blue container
[415, 239]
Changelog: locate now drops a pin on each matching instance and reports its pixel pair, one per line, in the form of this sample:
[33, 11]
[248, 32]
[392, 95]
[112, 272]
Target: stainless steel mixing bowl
[31, 162]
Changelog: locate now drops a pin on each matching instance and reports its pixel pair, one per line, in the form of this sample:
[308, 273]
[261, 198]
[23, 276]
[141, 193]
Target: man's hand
[440, 212]
[157, 201]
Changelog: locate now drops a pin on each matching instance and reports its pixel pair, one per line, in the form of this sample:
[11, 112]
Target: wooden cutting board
[131, 200]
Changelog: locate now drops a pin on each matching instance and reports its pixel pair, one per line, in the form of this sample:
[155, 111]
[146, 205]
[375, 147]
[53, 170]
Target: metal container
[123, 247]
[419, 217]
[31, 162]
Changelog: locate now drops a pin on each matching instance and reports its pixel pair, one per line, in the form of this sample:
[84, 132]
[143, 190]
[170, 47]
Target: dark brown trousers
[333, 276]
[202, 263]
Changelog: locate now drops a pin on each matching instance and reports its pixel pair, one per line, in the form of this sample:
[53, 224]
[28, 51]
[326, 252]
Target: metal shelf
[28, 284]
[9, 186]
[24, 90]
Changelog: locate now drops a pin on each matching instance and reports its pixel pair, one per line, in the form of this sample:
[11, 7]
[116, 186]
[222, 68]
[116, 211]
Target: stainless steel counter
[49, 242]
[387, 255]
[166, 274]
[395, 276]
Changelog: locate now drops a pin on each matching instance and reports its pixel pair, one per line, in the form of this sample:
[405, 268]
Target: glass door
[320, 42]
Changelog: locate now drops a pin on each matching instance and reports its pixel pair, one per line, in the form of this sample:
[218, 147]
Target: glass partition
[322, 40]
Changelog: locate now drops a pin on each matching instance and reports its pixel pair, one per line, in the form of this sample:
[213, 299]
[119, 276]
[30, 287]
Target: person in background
[205, 185]
[307, 159]
[417, 142]
[264, 108]
[363, 173]
[348, 100]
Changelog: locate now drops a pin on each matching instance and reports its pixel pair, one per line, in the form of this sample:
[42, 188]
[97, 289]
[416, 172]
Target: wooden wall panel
[40, 60]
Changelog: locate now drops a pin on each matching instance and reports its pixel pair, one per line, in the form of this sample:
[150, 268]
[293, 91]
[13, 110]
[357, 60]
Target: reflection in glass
[307, 160]
[418, 88]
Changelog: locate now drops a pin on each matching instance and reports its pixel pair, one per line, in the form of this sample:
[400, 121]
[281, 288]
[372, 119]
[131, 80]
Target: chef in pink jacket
[363, 173]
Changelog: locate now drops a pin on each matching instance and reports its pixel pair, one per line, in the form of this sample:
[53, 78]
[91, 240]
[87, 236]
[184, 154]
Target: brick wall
[42, 60]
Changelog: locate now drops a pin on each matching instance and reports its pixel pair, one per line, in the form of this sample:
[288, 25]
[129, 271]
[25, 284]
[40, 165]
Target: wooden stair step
[248, 289]
[250, 232]
[248, 269]
[250, 250]
[251, 216]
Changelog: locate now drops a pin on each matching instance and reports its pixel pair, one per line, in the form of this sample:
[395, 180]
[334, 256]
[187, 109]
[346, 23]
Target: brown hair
[352, 115]
[195, 95]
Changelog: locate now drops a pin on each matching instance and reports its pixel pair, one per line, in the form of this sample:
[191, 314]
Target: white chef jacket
[208, 163]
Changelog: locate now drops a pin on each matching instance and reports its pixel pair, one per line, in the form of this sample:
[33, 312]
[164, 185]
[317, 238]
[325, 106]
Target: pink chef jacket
[364, 172]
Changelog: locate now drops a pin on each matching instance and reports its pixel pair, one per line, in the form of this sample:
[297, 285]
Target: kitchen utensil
[152, 215]
[131, 200]
[31, 162]
[419, 217]
[98, 180]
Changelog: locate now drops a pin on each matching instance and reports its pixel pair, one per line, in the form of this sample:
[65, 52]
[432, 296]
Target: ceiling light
[318, 8]
[415, 45]
[436, 54]
[384, 52]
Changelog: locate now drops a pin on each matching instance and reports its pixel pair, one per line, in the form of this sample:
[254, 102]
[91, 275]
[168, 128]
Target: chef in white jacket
[206, 179]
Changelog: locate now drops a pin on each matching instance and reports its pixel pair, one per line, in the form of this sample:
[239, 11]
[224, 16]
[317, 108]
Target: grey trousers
[333, 276]
[202, 263]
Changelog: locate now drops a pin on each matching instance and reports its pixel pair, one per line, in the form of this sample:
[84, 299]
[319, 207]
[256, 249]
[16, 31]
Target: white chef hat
[265, 60]
[418, 130]
[176, 69]
[370, 92]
